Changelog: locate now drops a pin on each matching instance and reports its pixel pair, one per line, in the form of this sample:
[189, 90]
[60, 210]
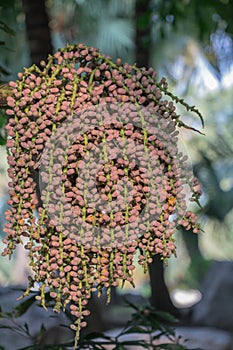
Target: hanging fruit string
[95, 174]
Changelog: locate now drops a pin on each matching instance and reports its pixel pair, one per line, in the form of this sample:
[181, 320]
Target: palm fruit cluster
[96, 175]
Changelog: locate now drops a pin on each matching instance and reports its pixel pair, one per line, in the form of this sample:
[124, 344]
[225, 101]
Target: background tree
[38, 31]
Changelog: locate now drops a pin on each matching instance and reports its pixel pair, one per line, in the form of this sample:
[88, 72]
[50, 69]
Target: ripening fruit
[102, 141]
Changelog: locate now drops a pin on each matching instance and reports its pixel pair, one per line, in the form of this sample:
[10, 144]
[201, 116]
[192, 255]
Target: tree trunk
[191, 243]
[142, 39]
[160, 297]
[37, 27]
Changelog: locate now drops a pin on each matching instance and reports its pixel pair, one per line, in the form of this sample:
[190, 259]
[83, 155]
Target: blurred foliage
[202, 18]
[14, 52]
[110, 26]
[3, 120]
[5, 29]
[208, 22]
[106, 24]
[197, 270]
[149, 324]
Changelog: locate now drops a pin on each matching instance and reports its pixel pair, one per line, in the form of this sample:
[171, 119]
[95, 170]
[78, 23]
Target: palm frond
[122, 8]
[115, 36]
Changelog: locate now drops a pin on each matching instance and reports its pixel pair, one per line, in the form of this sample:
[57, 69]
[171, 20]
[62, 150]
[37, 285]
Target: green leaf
[63, 346]
[26, 328]
[42, 330]
[6, 327]
[24, 306]
[95, 335]
[54, 347]
[3, 70]
[31, 347]
[4, 27]
[137, 343]
[47, 347]
[135, 329]
[119, 347]
[172, 347]
[131, 305]
[166, 316]
[159, 335]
